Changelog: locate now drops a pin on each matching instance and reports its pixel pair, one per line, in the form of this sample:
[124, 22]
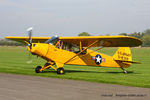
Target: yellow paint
[39, 48]
[59, 65]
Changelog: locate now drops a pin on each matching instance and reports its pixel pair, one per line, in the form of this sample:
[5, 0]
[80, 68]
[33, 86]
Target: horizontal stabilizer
[129, 61]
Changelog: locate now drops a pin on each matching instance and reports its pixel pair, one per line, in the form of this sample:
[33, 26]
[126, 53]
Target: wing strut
[80, 46]
[82, 51]
[101, 47]
[89, 52]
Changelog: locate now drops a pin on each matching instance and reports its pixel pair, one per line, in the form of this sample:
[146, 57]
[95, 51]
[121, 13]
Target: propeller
[29, 30]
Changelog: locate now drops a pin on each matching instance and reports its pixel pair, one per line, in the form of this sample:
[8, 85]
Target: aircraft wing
[22, 39]
[106, 41]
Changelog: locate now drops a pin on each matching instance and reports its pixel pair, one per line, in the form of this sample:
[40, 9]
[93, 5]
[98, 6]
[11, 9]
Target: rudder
[123, 57]
[123, 54]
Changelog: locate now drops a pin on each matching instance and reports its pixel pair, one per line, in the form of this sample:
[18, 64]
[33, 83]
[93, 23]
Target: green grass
[13, 60]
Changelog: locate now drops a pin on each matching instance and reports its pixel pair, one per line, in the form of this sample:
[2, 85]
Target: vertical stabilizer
[123, 57]
[123, 54]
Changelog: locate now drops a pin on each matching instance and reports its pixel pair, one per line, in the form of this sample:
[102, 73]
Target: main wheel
[60, 71]
[37, 69]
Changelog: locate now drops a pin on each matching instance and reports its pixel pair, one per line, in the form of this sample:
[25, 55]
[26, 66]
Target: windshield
[53, 40]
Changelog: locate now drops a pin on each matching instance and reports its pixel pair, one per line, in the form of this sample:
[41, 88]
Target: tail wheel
[37, 69]
[60, 71]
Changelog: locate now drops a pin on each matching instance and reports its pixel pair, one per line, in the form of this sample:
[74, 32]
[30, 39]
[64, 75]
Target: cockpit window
[53, 40]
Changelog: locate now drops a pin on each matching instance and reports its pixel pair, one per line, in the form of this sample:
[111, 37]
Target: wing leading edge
[106, 41]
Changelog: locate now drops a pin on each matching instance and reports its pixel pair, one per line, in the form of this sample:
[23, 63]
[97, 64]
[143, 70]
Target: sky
[71, 17]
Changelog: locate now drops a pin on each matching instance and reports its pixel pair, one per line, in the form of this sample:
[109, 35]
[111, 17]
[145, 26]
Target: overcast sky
[70, 17]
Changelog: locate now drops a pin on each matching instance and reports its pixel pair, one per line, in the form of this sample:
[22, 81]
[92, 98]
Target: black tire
[37, 69]
[60, 71]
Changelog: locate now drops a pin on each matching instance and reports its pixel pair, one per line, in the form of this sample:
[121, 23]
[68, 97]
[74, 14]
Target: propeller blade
[29, 30]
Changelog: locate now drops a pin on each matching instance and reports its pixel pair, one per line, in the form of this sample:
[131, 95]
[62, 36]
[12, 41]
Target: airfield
[86, 82]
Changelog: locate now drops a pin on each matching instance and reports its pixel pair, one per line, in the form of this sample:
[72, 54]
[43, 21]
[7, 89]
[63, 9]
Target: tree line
[5, 42]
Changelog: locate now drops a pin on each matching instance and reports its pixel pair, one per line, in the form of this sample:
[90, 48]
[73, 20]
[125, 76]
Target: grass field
[13, 60]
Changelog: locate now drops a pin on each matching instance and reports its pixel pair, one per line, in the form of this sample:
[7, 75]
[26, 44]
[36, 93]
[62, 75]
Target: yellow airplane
[75, 51]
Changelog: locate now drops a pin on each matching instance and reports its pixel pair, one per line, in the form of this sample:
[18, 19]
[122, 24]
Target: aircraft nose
[39, 49]
[31, 47]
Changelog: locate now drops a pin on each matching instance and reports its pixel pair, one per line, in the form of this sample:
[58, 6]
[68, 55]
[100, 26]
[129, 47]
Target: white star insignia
[98, 59]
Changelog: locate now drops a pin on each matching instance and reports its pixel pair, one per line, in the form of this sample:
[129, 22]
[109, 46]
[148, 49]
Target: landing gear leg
[124, 70]
[40, 69]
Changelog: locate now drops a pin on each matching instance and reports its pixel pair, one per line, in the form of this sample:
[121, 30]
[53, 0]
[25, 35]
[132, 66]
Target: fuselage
[91, 58]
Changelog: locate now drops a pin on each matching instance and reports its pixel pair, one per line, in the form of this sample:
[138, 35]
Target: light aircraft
[75, 51]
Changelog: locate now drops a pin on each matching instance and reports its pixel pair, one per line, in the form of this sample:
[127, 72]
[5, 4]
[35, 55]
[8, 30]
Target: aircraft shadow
[129, 72]
[78, 71]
